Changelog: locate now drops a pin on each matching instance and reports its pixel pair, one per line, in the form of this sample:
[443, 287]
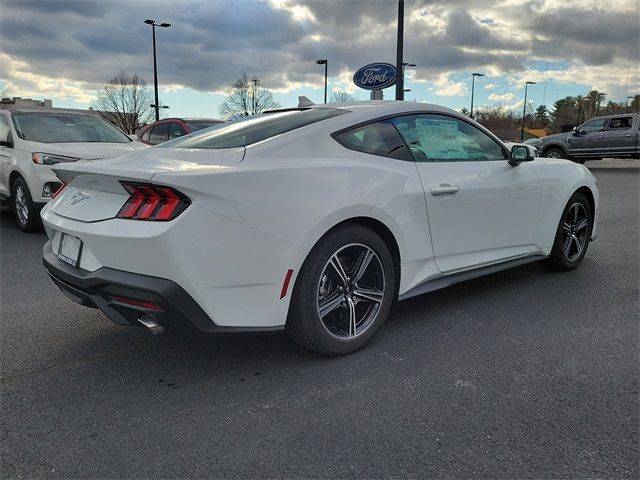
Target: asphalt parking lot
[521, 374]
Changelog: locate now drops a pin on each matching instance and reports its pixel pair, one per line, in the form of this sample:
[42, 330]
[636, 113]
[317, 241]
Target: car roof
[189, 119]
[52, 111]
[386, 106]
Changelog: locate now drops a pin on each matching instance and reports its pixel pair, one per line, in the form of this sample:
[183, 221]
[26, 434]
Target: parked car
[607, 136]
[311, 220]
[32, 141]
[172, 128]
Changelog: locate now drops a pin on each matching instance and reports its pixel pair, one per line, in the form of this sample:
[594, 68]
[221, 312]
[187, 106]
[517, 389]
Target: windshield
[53, 127]
[248, 130]
[195, 126]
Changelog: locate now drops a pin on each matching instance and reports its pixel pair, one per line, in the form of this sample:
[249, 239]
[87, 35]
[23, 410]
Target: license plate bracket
[70, 249]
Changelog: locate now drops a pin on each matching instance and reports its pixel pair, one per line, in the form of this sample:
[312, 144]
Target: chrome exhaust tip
[150, 324]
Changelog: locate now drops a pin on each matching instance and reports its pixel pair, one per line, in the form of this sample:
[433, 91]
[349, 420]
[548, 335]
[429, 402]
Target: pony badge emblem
[78, 197]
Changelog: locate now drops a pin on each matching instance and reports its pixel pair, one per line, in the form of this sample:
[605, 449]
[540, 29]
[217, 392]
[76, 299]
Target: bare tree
[125, 102]
[247, 97]
[340, 96]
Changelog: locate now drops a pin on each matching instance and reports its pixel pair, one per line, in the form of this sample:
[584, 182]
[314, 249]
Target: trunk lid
[95, 193]
[144, 164]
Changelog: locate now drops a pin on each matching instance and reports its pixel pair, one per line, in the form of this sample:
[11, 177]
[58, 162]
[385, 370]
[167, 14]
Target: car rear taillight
[152, 202]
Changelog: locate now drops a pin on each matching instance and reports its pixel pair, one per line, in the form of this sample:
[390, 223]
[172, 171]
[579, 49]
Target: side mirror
[519, 154]
[6, 143]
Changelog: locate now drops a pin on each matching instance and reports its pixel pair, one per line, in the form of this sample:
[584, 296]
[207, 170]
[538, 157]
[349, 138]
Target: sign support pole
[399, 56]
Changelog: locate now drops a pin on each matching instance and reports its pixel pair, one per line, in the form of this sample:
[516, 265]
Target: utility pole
[473, 85]
[255, 81]
[524, 111]
[399, 53]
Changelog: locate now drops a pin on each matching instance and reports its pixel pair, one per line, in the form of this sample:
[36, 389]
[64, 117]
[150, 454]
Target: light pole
[473, 86]
[404, 65]
[600, 97]
[324, 62]
[155, 64]
[524, 111]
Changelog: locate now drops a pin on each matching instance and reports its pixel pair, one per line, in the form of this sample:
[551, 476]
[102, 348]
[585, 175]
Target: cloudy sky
[66, 50]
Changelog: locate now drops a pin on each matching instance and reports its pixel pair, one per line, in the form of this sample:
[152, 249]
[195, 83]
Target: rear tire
[343, 292]
[26, 212]
[572, 236]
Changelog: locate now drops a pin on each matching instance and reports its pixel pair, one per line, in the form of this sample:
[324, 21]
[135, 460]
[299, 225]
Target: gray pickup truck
[608, 136]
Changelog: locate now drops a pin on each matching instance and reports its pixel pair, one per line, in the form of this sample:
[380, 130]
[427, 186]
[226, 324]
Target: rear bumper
[124, 297]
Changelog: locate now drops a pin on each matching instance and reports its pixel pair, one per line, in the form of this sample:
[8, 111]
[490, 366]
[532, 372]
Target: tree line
[565, 114]
[126, 98]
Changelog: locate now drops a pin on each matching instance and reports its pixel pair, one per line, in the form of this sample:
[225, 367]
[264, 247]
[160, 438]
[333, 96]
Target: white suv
[32, 141]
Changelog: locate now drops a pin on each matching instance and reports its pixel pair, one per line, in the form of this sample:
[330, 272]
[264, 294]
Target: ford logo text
[375, 76]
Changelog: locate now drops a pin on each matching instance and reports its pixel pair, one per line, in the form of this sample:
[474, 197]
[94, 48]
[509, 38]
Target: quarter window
[440, 138]
[379, 138]
[158, 133]
[176, 131]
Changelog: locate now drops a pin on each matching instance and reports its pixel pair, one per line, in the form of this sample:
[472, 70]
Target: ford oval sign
[375, 76]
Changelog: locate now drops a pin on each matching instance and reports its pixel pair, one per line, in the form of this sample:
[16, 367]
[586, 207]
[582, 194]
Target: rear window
[256, 128]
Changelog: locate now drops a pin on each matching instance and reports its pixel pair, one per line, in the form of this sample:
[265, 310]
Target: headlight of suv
[49, 159]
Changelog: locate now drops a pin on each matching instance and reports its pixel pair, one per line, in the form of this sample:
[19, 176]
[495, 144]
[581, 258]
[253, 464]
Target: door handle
[598, 137]
[628, 135]
[444, 189]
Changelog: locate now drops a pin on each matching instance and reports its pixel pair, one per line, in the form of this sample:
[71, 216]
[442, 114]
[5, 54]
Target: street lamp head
[530, 83]
[164, 25]
[407, 64]
[476, 74]
[321, 62]
[406, 90]
[149, 22]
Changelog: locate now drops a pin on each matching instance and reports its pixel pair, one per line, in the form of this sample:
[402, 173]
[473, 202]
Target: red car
[170, 128]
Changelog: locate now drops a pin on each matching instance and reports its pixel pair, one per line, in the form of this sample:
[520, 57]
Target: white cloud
[21, 81]
[506, 97]
[448, 88]
[491, 86]
[300, 13]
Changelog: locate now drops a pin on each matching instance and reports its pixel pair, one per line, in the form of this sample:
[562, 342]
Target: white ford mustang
[313, 220]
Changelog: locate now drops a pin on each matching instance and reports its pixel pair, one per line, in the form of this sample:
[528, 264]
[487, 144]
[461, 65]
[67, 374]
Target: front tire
[343, 293]
[25, 211]
[572, 236]
[555, 152]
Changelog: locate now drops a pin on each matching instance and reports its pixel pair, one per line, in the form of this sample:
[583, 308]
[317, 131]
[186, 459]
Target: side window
[592, 126]
[145, 135]
[158, 133]
[5, 131]
[378, 138]
[620, 123]
[176, 131]
[440, 138]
